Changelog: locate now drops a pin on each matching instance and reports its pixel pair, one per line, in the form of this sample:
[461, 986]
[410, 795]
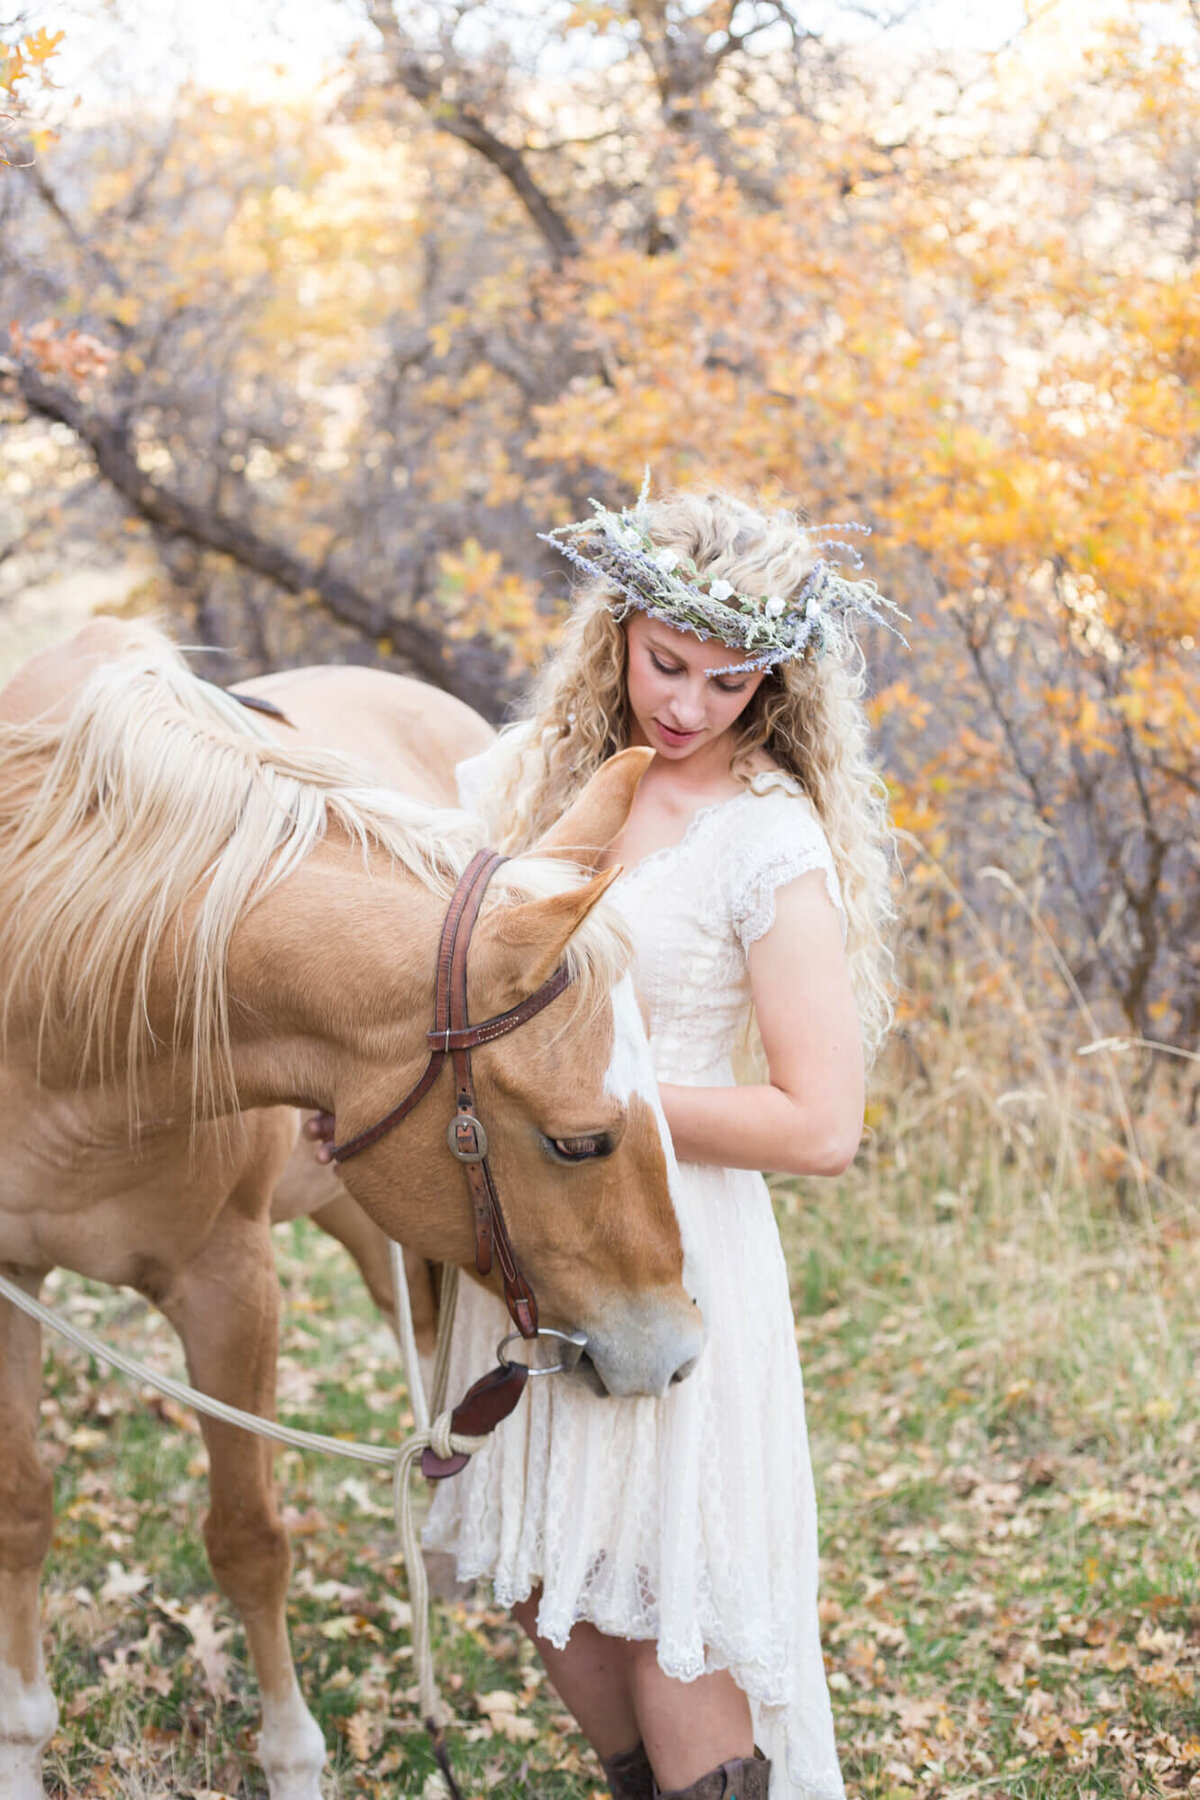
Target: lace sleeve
[792, 844]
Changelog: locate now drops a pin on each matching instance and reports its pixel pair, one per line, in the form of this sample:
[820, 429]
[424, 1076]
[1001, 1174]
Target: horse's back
[410, 734]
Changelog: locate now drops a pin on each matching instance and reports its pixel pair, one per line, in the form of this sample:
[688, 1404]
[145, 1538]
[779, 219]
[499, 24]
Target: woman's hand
[320, 1130]
[808, 1119]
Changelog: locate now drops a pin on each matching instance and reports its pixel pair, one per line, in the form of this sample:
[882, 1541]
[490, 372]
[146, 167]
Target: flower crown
[618, 548]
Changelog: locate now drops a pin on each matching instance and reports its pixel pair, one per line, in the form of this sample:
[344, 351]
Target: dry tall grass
[1034, 1168]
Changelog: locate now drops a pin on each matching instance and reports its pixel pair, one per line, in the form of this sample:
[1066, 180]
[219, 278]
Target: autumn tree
[26, 56]
[404, 252]
[361, 357]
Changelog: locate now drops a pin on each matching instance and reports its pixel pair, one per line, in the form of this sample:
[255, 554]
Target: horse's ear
[530, 938]
[592, 821]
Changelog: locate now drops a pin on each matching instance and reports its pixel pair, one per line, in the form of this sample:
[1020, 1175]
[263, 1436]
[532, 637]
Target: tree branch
[1042, 806]
[483, 686]
[458, 119]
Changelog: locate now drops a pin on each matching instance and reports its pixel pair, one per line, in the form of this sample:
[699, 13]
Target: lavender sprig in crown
[772, 629]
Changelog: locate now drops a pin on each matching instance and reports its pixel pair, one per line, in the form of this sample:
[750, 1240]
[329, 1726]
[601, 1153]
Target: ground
[1004, 1430]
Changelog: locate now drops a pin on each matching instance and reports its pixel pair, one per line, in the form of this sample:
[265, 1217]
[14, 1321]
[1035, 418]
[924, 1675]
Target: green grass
[1004, 1422]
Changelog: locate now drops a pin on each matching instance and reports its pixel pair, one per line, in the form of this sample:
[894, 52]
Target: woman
[662, 1554]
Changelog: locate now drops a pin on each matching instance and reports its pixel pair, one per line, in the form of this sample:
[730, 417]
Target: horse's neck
[329, 975]
[335, 966]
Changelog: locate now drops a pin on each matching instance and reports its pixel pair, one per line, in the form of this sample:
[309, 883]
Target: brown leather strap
[437, 1740]
[492, 1239]
[491, 1232]
[441, 1012]
[373, 1133]
[464, 908]
[453, 1035]
[471, 1036]
[467, 1129]
[480, 1410]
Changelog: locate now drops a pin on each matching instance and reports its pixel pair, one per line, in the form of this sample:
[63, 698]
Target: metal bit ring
[573, 1345]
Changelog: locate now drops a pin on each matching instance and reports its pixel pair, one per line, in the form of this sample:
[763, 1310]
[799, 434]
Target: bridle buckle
[467, 1138]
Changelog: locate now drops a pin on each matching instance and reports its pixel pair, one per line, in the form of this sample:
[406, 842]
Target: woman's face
[677, 709]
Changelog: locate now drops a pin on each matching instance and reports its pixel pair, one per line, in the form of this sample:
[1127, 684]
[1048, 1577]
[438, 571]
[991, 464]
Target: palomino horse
[201, 927]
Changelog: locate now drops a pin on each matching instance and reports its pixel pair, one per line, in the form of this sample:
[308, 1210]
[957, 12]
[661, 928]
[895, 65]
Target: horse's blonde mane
[158, 790]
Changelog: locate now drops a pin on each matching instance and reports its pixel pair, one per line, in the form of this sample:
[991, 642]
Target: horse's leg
[28, 1715]
[312, 1190]
[345, 1220]
[225, 1307]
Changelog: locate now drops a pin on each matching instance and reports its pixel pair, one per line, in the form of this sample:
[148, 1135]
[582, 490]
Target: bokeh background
[319, 316]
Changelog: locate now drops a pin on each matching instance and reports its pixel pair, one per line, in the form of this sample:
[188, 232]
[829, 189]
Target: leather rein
[453, 1036]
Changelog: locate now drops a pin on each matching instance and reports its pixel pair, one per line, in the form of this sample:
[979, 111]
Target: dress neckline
[765, 781]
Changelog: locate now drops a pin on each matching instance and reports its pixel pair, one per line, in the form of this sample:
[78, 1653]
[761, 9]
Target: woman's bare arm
[807, 1120]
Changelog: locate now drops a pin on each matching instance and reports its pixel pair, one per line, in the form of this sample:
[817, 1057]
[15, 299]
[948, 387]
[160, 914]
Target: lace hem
[795, 1774]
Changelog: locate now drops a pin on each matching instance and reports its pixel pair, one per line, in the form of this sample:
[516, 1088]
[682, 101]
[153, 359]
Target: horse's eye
[582, 1149]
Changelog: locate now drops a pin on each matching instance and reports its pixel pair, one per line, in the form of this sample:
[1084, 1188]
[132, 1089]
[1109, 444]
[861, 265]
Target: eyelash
[719, 685]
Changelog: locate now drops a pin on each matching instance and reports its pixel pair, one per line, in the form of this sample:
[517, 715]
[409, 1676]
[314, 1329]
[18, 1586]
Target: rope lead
[439, 1436]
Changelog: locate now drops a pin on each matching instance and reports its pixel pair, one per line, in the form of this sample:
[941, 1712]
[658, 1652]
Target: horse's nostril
[683, 1371]
[586, 1370]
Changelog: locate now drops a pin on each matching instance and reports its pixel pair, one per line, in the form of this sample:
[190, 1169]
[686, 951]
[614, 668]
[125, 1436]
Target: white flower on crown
[629, 536]
[774, 606]
[722, 590]
[667, 560]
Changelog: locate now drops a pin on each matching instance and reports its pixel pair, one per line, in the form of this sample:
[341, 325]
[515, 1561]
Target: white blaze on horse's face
[626, 1340]
[630, 1070]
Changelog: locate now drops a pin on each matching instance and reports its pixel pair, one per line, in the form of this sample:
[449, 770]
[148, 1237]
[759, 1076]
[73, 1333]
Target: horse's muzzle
[641, 1346]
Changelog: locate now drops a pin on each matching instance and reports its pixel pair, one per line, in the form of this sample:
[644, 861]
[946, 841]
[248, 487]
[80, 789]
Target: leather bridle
[453, 1036]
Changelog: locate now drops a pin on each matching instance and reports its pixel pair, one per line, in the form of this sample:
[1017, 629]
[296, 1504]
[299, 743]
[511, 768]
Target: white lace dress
[691, 1519]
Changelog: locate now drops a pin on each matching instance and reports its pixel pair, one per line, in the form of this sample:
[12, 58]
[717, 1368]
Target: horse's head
[199, 918]
[577, 1143]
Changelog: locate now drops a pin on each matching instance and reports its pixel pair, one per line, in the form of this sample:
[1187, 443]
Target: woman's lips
[674, 738]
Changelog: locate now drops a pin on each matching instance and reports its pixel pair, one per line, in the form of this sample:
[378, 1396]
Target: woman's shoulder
[769, 778]
[785, 805]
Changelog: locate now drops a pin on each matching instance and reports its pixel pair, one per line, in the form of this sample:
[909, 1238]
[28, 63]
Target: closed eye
[725, 687]
[582, 1149]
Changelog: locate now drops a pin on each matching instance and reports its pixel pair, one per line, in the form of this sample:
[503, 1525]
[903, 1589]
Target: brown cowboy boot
[629, 1775]
[746, 1779]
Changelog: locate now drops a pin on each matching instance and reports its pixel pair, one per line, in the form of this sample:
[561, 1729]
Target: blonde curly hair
[806, 715]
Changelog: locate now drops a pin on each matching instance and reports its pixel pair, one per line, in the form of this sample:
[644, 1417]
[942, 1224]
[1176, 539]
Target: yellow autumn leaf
[500, 1709]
